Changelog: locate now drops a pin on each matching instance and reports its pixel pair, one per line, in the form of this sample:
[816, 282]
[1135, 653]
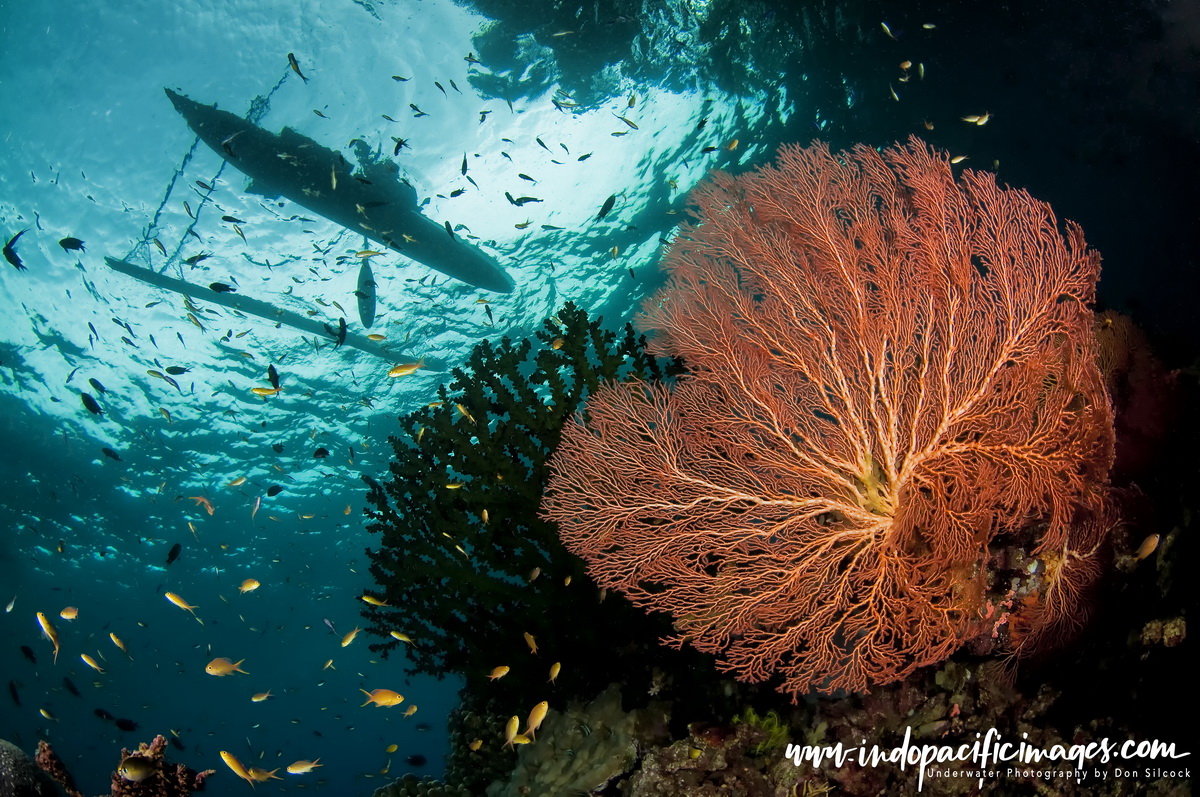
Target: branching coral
[465, 566]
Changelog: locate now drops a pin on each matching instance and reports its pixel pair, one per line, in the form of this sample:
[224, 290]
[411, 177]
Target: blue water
[93, 149]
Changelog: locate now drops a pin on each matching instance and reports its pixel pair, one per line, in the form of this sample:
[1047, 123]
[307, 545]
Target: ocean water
[1092, 107]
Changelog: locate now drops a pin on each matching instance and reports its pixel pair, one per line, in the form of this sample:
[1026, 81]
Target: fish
[173, 554]
[71, 245]
[497, 673]
[536, 716]
[887, 30]
[365, 293]
[116, 640]
[51, 634]
[382, 697]
[27, 652]
[231, 761]
[401, 636]
[136, 768]
[295, 65]
[71, 687]
[606, 207]
[349, 637]
[1148, 546]
[222, 666]
[102, 714]
[273, 376]
[182, 604]
[531, 642]
[249, 585]
[8, 609]
[510, 730]
[260, 696]
[69, 613]
[89, 661]
[113, 455]
[265, 391]
[301, 767]
[373, 600]
[91, 404]
[12, 691]
[274, 490]
[416, 760]
[262, 775]
[238, 482]
[125, 725]
[10, 252]
[321, 453]
[221, 287]
[202, 501]
[405, 369]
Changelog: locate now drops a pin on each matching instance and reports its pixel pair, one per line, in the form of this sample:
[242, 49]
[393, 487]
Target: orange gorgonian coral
[891, 375]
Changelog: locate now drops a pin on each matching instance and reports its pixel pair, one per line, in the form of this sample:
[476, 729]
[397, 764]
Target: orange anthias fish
[182, 604]
[382, 697]
[535, 719]
[348, 638]
[302, 766]
[222, 666]
[202, 501]
[231, 761]
[50, 633]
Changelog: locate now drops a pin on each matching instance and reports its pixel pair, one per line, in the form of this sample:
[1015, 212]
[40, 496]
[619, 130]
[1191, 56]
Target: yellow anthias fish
[348, 638]
[535, 718]
[391, 748]
[510, 730]
[249, 585]
[182, 604]
[231, 761]
[69, 613]
[497, 673]
[48, 630]
[265, 391]
[404, 369]
[401, 637]
[475, 745]
[116, 640]
[260, 697]
[302, 766]
[46, 713]
[408, 712]
[374, 601]
[222, 666]
[329, 665]
[89, 661]
[376, 337]
[531, 642]
[239, 481]
[136, 768]
[262, 775]
[554, 670]
[382, 697]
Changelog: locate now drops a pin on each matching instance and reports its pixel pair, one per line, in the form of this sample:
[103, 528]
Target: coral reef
[465, 566]
[584, 748]
[156, 777]
[891, 385]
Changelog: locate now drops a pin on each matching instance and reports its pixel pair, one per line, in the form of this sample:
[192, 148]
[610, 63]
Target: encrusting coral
[156, 776]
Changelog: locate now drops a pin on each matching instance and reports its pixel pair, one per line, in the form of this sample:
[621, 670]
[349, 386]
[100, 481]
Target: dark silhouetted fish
[221, 287]
[10, 252]
[102, 714]
[12, 690]
[277, 448]
[71, 687]
[71, 244]
[92, 406]
[606, 207]
[273, 376]
[113, 455]
[176, 370]
[274, 490]
[27, 652]
[126, 725]
[416, 760]
[173, 554]
[321, 453]
[366, 295]
[96, 384]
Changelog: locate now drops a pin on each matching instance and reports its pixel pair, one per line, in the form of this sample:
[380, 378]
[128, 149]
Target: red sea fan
[890, 373]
